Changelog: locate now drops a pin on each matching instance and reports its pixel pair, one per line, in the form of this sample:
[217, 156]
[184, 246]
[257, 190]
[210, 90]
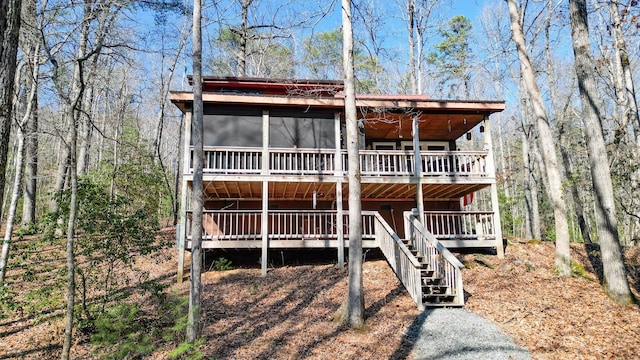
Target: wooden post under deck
[495, 205]
[417, 167]
[265, 191]
[186, 165]
[338, 173]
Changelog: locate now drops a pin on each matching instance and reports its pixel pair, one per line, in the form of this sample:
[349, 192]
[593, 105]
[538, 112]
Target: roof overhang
[387, 117]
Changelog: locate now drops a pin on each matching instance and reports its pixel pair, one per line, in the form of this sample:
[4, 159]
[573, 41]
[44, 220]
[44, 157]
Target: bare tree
[352, 311]
[623, 78]
[9, 30]
[554, 178]
[615, 278]
[32, 46]
[418, 19]
[97, 20]
[19, 166]
[165, 85]
[193, 326]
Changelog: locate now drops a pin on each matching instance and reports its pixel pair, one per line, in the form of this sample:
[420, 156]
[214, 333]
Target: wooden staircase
[435, 291]
[429, 272]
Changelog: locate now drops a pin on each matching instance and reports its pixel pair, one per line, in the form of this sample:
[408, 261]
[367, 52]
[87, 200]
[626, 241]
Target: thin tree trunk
[17, 181]
[352, 311]
[71, 286]
[411, 13]
[157, 142]
[31, 165]
[193, 327]
[624, 76]
[554, 189]
[530, 184]
[244, 34]
[31, 127]
[575, 195]
[9, 30]
[528, 226]
[623, 80]
[15, 195]
[615, 278]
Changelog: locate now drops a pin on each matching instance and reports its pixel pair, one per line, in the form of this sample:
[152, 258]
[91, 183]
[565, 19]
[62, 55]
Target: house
[275, 176]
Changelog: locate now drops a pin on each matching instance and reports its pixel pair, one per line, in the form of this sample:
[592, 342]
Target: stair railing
[439, 258]
[400, 258]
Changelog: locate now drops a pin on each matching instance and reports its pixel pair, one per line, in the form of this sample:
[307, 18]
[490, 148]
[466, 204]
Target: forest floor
[289, 313]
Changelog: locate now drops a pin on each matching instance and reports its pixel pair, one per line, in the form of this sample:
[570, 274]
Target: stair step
[437, 297]
[431, 280]
[438, 300]
[435, 289]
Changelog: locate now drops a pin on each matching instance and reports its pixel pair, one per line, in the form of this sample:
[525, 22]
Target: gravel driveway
[458, 334]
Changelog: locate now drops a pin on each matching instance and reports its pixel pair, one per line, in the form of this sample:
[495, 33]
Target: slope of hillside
[288, 314]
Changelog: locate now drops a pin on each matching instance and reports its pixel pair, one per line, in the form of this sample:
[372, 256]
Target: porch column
[186, 166]
[338, 173]
[265, 190]
[417, 166]
[495, 205]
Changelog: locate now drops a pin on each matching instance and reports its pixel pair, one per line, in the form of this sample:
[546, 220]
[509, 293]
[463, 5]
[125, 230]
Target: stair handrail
[404, 264]
[453, 278]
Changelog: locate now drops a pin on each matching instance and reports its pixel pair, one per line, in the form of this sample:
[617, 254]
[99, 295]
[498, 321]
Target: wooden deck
[318, 228]
[323, 162]
[429, 272]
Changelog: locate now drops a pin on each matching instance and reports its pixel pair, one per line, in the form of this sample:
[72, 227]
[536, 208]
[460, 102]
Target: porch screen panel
[302, 130]
[232, 127]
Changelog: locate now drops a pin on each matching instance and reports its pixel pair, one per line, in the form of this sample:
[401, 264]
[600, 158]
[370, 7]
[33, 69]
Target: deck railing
[385, 163]
[243, 225]
[441, 261]
[404, 264]
[447, 225]
[298, 161]
[301, 161]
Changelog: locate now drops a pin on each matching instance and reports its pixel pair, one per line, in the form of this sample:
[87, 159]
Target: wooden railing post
[265, 191]
[491, 169]
[186, 167]
[339, 174]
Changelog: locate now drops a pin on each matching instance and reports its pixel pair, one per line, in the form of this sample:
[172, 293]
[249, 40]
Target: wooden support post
[495, 205]
[417, 167]
[265, 191]
[186, 173]
[339, 176]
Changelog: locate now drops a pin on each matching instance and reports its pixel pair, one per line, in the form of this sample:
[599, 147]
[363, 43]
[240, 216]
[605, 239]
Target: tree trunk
[615, 279]
[624, 76]
[554, 188]
[528, 226]
[193, 326]
[31, 165]
[578, 206]
[71, 285]
[165, 85]
[352, 311]
[628, 106]
[32, 52]
[9, 30]
[411, 13]
[17, 181]
[244, 34]
[15, 195]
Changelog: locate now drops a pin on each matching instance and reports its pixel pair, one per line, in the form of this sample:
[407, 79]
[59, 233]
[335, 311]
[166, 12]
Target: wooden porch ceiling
[431, 126]
[327, 191]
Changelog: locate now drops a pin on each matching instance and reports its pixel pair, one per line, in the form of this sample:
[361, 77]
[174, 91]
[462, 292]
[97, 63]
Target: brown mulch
[288, 314]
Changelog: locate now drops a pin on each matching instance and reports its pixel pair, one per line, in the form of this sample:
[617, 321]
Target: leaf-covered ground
[288, 314]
